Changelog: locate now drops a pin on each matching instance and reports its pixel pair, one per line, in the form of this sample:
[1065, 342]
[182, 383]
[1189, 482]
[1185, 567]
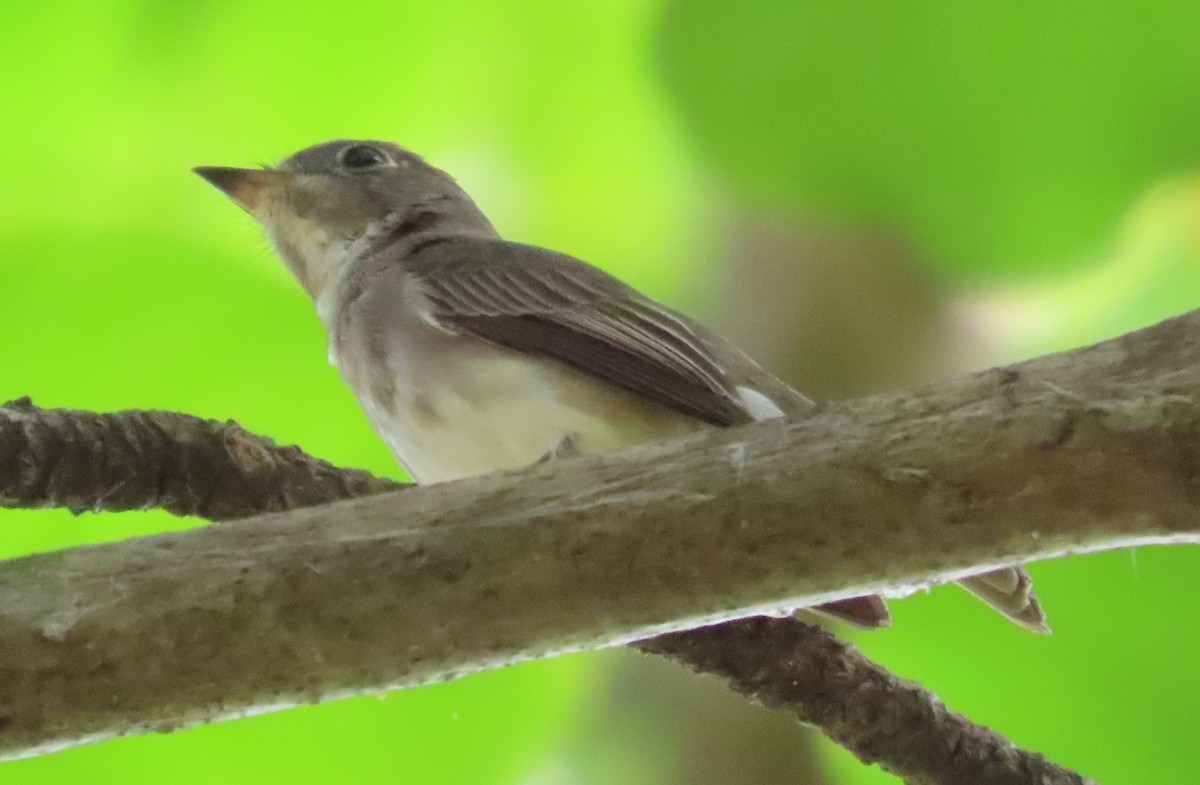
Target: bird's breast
[453, 406]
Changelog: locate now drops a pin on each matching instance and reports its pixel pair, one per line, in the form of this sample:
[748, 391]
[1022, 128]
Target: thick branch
[1091, 449]
[191, 466]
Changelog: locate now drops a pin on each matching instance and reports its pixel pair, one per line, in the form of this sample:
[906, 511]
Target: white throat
[320, 261]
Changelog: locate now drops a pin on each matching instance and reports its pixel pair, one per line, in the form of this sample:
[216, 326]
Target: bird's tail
[1010, 591]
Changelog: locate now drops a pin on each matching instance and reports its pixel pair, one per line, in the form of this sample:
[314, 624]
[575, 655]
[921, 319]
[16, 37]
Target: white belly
[469, 408]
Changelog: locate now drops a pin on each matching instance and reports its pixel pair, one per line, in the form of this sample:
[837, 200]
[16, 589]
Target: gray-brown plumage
[471, 354]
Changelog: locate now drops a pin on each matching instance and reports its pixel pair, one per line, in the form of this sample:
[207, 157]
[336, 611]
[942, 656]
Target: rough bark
[827, 683]
[140, 460]
[1091, 449]
[780, 663]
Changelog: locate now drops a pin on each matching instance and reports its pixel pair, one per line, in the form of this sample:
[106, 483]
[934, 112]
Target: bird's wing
[540, 302]
[544, 303]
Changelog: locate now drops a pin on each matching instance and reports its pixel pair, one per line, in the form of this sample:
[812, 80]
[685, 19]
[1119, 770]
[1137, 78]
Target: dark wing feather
[540, 302]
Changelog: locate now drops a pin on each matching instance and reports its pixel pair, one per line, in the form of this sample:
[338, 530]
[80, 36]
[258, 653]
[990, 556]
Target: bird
[470, 353]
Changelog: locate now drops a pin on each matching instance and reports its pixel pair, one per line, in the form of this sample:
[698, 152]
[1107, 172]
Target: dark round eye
[362, 156]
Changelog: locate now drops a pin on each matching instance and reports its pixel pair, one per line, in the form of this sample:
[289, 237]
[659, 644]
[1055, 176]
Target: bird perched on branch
[471, 353]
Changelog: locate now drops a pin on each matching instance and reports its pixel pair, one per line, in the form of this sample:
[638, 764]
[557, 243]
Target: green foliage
[1005, 137]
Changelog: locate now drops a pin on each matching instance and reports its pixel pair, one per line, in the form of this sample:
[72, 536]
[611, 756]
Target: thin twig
[138, 460]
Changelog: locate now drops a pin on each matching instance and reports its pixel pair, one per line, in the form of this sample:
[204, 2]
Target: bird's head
[318, 203]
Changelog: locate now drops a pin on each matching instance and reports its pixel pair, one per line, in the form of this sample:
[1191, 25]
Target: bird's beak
[252, 189]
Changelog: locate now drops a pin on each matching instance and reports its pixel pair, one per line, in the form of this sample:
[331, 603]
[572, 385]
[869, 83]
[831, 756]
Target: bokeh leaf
[1005, 137]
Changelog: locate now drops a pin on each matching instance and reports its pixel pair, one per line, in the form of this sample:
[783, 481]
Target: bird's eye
[362, 156]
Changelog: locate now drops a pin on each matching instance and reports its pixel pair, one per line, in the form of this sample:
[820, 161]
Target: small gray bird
[470, 353]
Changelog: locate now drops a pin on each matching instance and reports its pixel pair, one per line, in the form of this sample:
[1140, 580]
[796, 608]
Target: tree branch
[789, 666]
[1090, 449]
[160, 460]
[200, 467]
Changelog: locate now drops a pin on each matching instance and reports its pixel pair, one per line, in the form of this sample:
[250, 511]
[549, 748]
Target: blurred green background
[863, 194]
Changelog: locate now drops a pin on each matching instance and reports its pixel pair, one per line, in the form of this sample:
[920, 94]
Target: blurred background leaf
[1004, 137]
[841, 188]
